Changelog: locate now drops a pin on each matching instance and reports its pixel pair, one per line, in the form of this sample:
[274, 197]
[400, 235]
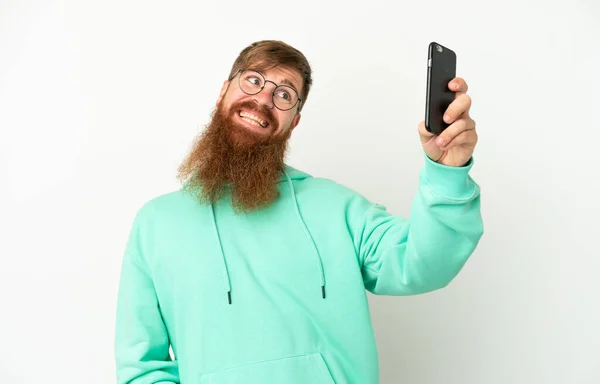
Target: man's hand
[455, 145]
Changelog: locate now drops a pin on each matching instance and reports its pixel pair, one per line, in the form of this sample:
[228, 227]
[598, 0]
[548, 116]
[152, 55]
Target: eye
[253, 80]
[285, 95]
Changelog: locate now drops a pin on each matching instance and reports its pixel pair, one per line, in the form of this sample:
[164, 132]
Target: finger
[460, 106]
[454, 130]
[458, 85]
[465, 137]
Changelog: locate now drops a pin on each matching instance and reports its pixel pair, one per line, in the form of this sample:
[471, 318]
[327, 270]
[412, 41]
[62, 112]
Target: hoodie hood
[293, 174]
[288, 171]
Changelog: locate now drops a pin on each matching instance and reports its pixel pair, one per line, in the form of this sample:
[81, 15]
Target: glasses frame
[265, 81]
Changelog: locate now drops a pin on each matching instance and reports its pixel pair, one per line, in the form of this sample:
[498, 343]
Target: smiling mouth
[253, 119]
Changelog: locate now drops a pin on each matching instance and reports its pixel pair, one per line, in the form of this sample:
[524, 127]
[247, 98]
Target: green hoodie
[279, 295]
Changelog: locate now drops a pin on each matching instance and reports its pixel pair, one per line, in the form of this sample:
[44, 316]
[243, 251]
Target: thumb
[425, 135]
[432, 150]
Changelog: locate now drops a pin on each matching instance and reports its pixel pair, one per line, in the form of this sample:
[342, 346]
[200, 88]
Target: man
[255, 272]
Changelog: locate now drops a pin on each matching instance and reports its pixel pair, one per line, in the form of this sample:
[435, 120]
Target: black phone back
[441, 69]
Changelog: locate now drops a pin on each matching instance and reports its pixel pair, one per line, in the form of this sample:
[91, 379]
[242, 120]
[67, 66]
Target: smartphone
[441, 69]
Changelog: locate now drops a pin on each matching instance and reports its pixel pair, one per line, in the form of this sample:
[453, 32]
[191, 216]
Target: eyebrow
[285, 81]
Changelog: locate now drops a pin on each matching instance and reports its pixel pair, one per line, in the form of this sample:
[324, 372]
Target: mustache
[254, 106]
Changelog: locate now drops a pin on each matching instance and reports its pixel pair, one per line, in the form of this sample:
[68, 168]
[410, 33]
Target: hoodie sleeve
[403, 256]
[141, 339]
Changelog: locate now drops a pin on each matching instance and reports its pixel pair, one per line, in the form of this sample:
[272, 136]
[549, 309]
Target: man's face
[244, 110]
[244, 145]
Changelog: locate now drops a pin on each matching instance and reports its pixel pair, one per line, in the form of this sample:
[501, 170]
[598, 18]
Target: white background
[100, 101]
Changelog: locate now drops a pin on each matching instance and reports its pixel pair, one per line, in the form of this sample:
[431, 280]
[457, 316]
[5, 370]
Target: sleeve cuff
[452, 182]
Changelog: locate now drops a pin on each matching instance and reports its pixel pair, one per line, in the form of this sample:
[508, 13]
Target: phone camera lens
[439, 48]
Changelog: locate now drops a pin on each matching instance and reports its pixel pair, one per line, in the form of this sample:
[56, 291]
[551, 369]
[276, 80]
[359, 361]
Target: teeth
[252, 122]
[253, 119]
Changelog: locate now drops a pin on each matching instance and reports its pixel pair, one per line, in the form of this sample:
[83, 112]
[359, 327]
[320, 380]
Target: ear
[296, 120]
[224, 89]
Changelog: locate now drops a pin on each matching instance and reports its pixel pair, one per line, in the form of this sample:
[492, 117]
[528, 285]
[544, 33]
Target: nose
[265, 96]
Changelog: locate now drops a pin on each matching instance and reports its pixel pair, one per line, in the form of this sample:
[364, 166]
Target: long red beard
[229, 158]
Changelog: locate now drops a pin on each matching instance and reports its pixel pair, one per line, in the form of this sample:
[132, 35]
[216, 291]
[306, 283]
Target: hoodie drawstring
[225, 269]
[304, 227]
[308, 235]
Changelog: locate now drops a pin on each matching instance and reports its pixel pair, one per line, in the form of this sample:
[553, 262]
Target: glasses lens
[251, 82]
[285, 97]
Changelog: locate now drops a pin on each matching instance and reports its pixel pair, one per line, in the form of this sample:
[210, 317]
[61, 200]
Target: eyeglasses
[252, 83]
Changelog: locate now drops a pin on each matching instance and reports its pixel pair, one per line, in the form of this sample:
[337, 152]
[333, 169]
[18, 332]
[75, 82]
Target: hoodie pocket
[290, 370]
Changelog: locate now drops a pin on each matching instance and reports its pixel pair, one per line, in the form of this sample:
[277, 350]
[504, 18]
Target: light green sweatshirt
[279, 295]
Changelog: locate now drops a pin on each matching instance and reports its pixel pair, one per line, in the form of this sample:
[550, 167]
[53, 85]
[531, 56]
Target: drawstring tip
[229, 296]
[323, 290]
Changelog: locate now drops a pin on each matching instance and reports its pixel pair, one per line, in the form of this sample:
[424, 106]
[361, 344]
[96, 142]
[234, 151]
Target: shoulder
[327, 187]
[329, 194]
[166, 205]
